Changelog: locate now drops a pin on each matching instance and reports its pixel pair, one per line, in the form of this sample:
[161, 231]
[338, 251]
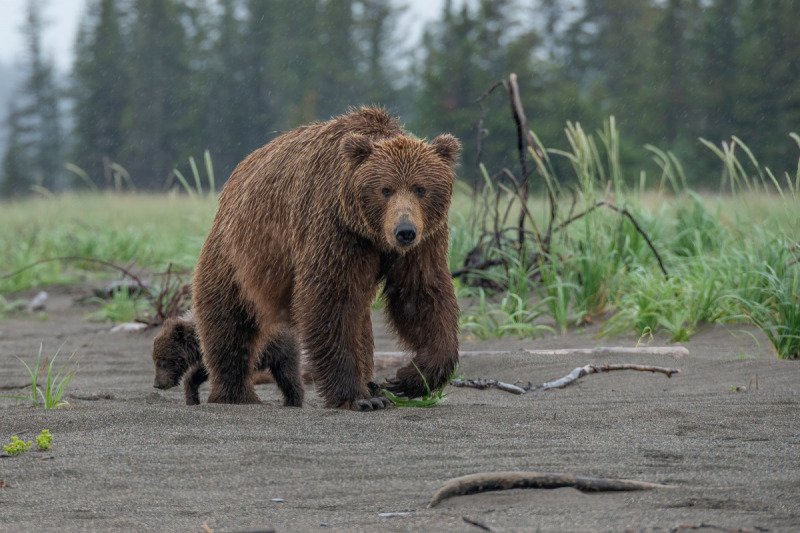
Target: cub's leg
[282, 357]
[196, 376]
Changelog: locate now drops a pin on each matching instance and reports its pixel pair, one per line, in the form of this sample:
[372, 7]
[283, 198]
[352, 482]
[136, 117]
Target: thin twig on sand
[485, 482]
[488, 384]
[582, 371]
[560, 383]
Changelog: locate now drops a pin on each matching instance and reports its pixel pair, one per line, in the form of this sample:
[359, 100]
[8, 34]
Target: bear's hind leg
[282, 357]
[227, 331]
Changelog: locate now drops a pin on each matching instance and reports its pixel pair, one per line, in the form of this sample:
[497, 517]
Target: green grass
[121, 307]
[144, 231]
[49, 383]
[732, 255]
[431, 398]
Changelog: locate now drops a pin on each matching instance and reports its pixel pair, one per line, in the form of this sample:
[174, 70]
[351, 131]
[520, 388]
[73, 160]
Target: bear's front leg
[329, 307]
[422, 308]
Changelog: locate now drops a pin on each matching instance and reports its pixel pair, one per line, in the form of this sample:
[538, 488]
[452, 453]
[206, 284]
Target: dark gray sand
[140, 460]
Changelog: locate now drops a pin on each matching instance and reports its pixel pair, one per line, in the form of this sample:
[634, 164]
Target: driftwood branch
[485, 482]
[586, 370]
[606, 351]
[602, 351]
[488, 384]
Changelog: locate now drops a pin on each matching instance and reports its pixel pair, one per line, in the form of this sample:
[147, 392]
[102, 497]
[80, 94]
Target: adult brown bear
[307, 228]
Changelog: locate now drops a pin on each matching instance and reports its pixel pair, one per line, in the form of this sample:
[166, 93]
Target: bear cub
[176, 352]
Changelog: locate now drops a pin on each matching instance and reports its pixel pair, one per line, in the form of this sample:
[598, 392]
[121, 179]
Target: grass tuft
[48, 390]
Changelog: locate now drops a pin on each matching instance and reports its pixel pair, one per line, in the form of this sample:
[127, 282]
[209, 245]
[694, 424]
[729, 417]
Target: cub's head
[399, 189]
[175, 349]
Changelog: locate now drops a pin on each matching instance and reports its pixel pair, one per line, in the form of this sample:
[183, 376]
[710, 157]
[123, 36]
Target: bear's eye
[386, 192]
[419, 191]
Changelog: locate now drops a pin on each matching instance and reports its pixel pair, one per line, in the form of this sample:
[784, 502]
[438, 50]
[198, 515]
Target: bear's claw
[371, 404]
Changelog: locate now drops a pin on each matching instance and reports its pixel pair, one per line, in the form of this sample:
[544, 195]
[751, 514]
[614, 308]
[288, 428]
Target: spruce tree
[34, 151]
[158, 117]
[100, 85]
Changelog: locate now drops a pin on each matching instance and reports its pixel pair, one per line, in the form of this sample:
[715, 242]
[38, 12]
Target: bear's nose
[405, 233]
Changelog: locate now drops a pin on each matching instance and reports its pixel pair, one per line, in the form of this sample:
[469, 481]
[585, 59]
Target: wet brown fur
[300, 242]
[176, 355]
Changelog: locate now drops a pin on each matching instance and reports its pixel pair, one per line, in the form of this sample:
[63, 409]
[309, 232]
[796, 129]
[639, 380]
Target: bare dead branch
[493, 481]
[473, 522]
[126, 272]
[586, 370]
[488, 384]
[480, 266]
[627, 214]
[522, 143]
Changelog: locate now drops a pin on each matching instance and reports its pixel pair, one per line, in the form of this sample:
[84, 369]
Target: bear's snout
[405, 233]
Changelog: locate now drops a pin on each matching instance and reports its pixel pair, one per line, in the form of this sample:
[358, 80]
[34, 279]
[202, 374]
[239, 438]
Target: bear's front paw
[410, 383]
[376, 403]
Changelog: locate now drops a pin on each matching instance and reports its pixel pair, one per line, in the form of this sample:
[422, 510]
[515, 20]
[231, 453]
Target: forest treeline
[157, 81]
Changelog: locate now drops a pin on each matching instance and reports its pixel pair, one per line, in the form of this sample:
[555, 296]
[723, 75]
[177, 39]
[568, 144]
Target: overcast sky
[62, 18]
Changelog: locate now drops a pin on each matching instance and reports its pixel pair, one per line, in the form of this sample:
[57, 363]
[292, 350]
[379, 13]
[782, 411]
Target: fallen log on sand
[485, 482]
[602, 351]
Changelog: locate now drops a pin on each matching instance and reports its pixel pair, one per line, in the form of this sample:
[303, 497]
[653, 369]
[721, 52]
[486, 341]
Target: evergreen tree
[675, 69]
[230, 98]
[611, 53]
[17, 160]
[261, 117]
[35, 143]
[158, 118]
[465, 53]
[375, 37]
[768, 89]
[336, 79]
[717, 92]
[100, 86]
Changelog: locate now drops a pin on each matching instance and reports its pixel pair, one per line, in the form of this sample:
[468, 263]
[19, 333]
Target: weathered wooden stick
[602, 351]
[485, 482]
[488, 384]
[582, 371]
[605, 351]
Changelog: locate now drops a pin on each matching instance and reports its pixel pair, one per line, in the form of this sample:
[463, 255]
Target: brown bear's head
[175, 348]
[399, 190]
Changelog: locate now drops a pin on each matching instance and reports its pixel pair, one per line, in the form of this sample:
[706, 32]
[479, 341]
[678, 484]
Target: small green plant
[17, 446]
[429, 399]
[44, 439]
[122, 307]
[775, 309]
[196, 190]
[56, 381]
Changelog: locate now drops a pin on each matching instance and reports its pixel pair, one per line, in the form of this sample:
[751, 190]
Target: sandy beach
[722, 435]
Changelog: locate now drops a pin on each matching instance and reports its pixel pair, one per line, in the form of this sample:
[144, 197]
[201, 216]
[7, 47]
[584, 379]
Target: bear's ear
[447, 147]
[357, 148]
